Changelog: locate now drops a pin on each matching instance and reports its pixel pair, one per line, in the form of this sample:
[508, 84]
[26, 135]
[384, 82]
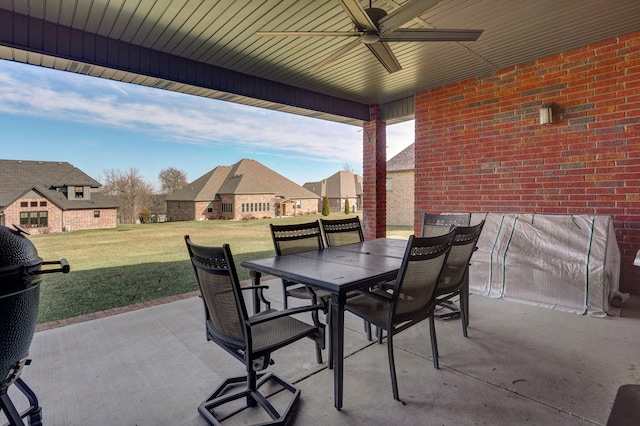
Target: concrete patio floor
[520, 365]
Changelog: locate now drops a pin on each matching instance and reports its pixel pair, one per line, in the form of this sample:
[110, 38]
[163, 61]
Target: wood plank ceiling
[210, 48]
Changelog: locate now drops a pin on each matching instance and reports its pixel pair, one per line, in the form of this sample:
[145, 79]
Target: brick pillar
[374, 161]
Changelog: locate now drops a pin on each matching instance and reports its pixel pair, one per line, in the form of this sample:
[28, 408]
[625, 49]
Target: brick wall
[74, 220]
[247, 200]
[58, 220]
[479, 145]
[374, 166]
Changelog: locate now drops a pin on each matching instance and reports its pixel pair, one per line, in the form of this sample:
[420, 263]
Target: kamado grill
[20, 275]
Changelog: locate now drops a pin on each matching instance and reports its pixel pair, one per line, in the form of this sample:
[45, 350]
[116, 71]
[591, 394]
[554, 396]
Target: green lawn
[136, 263]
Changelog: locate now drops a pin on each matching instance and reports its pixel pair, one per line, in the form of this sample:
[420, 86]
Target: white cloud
[172, 116]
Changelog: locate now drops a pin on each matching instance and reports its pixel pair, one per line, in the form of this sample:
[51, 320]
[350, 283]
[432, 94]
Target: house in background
[51, 196]
[400, 183]
[245, 190]
[338, 187]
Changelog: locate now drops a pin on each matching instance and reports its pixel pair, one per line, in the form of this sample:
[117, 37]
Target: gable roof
[244, 177]
[18, 177]
[339, 185]
[404, 160]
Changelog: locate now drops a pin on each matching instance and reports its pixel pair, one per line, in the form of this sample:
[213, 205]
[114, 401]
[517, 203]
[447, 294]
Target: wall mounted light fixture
[546, 114]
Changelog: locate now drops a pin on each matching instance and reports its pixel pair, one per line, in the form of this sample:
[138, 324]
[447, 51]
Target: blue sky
[97, 125]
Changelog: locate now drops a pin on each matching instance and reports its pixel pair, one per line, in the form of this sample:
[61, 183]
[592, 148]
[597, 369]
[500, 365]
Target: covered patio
[479, 146]
[521, 364]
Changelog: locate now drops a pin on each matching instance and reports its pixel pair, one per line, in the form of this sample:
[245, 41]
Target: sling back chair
[297, 238]
[439, 224]
[456, 270]
[250, 339]
[411, 299]
[340, 232]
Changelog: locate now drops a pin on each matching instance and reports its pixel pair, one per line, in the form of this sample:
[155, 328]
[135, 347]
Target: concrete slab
[521, 364]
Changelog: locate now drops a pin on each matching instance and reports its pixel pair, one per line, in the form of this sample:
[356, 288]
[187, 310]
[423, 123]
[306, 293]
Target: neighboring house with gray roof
[400, 184]
[51, 196]
[338, 187]
[245, 190]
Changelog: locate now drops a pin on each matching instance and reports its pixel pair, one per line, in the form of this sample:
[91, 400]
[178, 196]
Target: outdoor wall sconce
[546, 114]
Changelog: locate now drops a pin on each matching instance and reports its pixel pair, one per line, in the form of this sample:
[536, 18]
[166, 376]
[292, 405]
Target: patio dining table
[338, 270]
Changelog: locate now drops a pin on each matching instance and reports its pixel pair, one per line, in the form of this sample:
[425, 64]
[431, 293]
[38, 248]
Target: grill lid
[16, 249]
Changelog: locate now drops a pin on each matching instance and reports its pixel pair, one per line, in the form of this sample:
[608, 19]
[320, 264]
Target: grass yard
[112, 268]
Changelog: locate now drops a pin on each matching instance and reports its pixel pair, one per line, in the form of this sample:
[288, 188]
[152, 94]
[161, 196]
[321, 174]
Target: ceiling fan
[373, 27]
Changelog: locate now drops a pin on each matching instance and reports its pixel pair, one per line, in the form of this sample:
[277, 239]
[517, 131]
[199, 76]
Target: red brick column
[374, 164]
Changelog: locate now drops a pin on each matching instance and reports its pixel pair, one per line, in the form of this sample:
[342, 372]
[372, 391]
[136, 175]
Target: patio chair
[340, 232]
[412, 298]
[455, 274]
[439, 224]
[297, 238]
[251, 340]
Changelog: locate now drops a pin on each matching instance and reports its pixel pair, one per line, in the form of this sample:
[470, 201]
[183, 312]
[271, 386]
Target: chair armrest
[254, 287]
[269, 316]
[259, 289]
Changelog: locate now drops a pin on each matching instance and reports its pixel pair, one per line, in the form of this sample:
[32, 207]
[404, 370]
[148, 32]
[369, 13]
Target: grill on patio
[20, 275]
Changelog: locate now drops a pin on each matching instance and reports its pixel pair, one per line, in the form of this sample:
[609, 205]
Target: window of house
[389, 184]
[79, 191]
[210, 208]
[43, 204]
[96, 213]
[227, 208]
[34, 219]
[34, 204]
[24, 204]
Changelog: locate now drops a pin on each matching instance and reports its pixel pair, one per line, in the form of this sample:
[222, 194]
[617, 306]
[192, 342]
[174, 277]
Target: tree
[172, 179]
[129, 191]
[347, 207]
[347, 167]
[326, 209]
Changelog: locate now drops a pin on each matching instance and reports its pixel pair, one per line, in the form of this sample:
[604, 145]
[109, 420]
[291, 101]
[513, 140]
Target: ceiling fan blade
[383, 53]
[404, 14]
[358, 15]
[310, 33]
[344, 49]
[414, 34]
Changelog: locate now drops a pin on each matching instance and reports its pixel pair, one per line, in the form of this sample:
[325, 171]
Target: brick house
[50, 196]
[338, 187]
[400, 183]
[245, 190]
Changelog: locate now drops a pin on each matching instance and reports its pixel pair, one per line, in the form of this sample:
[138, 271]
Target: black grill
[20, 276]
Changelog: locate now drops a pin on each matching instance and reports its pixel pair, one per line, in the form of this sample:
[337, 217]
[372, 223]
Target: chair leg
[464, 306]
[284, 296]
[465, 292]
[434, 341]
[316, 320]
[392, 367]
[224, 394]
